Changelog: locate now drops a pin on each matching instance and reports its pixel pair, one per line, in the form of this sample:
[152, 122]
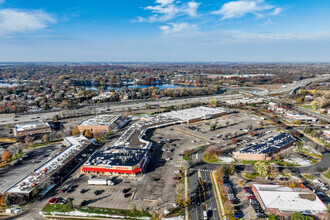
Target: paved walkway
[186, 193]
[219, 196]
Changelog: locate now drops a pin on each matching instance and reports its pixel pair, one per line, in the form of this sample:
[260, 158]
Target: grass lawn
[327, 173]
[211, 158]
[309, 107]
[307, 176]
[139, 114]
[64, 208]
[250, 176]
[41, 144]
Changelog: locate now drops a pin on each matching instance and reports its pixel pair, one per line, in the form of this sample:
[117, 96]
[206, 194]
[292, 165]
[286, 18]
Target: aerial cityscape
[164, 110]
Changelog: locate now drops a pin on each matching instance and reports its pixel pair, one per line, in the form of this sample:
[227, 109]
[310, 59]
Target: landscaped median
[51, 210]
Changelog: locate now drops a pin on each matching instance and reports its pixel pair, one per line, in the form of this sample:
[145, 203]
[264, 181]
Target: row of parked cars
[232, 196]
[254, 203]
[58, 200]
[322, 186]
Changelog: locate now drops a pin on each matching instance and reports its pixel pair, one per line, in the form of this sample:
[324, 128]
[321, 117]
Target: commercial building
[117, 161]
[192, 115]
[51, 172]
[301, 117]
[264, 151]
[130, 153]
[327, 133]
[101, 124]
[283, 201]
[30, 128]
[244, 101]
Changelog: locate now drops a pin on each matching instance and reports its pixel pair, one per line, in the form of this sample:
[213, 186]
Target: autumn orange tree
[88, 133]
[6, 155]
[75, 131]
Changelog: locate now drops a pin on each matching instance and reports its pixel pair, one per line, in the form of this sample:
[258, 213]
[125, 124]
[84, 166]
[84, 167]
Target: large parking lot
[155, 190]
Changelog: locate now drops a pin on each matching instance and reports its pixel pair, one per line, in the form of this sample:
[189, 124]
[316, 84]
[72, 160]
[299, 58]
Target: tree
[6, 156]
[8, 200]
[299, 216]
[231, 168]
[251, 133]
[69, 203]
[213, 102]
[273, 170]
[28, 139]
[75, 131]
[300, 100]
[261, 168]
[35, 192]
[45, 138]
[314, 104]
[55, 118]
[213, 127]
[88, 133]
[250, 127]
[227, 123]
[2, 200]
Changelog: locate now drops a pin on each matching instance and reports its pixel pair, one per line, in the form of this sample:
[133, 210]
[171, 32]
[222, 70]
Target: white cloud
[166, 10]
[17, 21]
[165, 2]
[236, 9]
[276, 11]
[178, 28]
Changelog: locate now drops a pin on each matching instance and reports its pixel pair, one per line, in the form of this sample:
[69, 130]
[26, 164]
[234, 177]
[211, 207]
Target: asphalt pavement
[199, 202]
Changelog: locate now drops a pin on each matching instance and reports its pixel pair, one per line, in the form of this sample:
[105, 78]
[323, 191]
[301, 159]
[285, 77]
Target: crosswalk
[202, 170]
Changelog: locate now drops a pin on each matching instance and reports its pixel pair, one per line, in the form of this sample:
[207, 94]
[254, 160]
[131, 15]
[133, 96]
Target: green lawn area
[313, 161]
[139, 114]
[250, 176]
[309, 107]
[307, 176]
[327, 173]
[211, 158]
[64, 208]
[249, 161]
[42, 144]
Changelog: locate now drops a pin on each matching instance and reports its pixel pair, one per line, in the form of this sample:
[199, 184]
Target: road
[198, 202]
[115, 108]
[315, 114]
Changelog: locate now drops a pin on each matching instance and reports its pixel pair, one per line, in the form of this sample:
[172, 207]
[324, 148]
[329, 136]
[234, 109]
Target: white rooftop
[287, 199]
[100, 120]
[26, 184]
[31, 125]
[192, 113]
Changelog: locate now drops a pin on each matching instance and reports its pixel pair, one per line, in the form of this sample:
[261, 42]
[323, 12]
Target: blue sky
[165, 30]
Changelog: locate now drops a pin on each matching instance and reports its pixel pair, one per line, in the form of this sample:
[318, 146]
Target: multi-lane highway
[115, 107]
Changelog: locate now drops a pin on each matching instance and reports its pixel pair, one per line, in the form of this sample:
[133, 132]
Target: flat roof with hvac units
[280, 199]
[263, 150]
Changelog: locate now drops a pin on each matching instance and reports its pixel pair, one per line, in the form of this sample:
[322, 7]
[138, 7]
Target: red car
[51, 200]
[176, 178]
[56, 201]
[250, 197]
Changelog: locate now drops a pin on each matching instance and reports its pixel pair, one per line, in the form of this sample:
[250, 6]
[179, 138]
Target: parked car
[83, 203]
[51, 201]
[63, 200]
[238, 214]
[176, 177]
